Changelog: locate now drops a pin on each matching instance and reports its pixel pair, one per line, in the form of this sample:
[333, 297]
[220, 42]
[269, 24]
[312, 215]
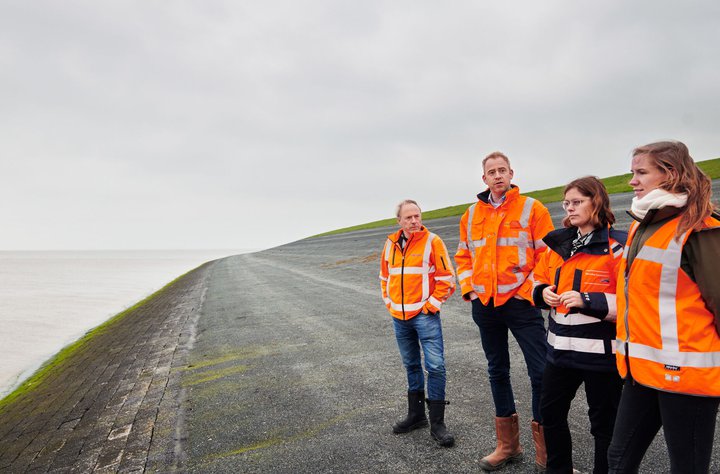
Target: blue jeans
[527, 325]
[423, 330]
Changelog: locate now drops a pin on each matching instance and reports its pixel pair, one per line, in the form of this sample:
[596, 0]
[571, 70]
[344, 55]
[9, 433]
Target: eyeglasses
[574, 203]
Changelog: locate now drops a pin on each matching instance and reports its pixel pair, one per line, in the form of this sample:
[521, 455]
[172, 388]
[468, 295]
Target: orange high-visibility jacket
[498, 248]
[582, 338]
[416, 277]
[666, 336]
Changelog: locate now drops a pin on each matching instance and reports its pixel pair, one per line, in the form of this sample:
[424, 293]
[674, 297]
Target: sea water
[50, 299]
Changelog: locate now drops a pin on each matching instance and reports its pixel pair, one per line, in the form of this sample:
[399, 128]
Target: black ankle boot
[438, 430]
[416, 414]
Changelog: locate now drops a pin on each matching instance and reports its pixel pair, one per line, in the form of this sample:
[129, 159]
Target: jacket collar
[560, 241]
[512, 193]
[395, 236]
[657, 215]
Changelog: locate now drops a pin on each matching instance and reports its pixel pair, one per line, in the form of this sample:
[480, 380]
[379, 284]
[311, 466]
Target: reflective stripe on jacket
[581, 338]
[417, 276]
[666, 336]
[498, 247]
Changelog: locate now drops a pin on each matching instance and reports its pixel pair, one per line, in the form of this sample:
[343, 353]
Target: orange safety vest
[418, 275]
[666, 336]
[499, 246]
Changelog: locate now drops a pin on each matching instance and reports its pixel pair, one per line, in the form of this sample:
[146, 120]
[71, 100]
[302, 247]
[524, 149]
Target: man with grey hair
[416, 278]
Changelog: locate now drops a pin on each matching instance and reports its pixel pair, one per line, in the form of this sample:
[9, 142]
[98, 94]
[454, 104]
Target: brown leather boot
[508, 447]
[540, 452]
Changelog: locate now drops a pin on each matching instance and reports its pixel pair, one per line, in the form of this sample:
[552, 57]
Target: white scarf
[656, 199]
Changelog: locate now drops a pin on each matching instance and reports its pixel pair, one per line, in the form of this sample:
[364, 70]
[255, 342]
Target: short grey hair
[400, 205]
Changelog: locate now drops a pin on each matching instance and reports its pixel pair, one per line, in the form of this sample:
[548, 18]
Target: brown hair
[495, 154]
[682, 176]
[400, 205]
[589, 186]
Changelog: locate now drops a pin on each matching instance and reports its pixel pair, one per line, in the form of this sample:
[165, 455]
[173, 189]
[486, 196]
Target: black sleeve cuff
[595, 304]
[538, 297]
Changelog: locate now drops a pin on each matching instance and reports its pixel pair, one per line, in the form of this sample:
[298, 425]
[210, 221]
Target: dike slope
[278, 361]
[111, 402]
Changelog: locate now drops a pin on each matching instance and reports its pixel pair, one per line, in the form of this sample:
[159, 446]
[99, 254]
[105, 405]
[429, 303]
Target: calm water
[50, 299]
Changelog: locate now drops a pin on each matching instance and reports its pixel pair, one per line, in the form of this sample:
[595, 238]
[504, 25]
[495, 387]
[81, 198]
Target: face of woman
[645, 175]
[578, 208]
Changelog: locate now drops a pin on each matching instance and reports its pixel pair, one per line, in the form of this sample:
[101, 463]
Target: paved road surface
[278, 361]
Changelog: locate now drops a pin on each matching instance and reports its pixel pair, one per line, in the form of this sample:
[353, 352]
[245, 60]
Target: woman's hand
[572, 299]
[550, 297]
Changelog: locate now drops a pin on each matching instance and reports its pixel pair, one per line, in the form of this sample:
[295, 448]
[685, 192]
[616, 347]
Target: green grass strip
[614, 185]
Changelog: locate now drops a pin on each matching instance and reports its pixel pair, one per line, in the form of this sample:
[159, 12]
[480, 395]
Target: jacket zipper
[402, 277]
[627, 324]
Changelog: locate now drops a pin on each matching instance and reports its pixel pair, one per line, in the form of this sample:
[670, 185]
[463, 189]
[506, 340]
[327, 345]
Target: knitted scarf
[656, 199]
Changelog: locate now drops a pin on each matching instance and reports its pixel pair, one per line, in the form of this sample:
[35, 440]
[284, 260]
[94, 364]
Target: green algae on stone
[211, 375]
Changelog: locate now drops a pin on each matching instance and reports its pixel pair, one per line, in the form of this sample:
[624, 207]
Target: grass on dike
[614, 185]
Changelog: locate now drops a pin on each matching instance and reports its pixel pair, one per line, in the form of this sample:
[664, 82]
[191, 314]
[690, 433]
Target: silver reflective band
[573, 319]
[465, 274]
[670, 261]
[508, 288]
[444, 278]
[577, 344]
[699, 360]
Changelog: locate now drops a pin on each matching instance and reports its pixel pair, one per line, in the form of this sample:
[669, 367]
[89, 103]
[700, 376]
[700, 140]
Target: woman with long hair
[668, 347]
[575, 280]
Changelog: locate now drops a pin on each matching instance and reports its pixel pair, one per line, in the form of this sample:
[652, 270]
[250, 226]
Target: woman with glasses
[575, 279]
[668, 347]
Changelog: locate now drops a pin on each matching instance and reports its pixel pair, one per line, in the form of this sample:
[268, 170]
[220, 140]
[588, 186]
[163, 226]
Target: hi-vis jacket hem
[499, 246]
[581, 338]
[666, 336]
[416, 278]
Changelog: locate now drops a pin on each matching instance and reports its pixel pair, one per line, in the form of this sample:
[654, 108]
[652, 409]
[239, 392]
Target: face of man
[410, 219]
[497, 175]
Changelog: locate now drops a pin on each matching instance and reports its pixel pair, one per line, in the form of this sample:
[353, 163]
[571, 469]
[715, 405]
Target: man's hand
[472, 295]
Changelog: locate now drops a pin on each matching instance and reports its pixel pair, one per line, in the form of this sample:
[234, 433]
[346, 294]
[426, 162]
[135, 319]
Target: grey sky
[249, 124]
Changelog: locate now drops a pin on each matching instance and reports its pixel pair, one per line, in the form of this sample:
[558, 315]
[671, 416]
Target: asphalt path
[303, 373]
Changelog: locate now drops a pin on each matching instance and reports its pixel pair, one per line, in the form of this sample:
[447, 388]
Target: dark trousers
[527, 325]
[688, 423]
[560, 385]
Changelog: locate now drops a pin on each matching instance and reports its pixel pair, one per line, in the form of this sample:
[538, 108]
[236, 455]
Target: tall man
[417, 277]
[500, 241]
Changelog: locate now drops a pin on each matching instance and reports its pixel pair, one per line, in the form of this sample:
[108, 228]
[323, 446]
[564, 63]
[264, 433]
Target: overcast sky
[248, 124]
